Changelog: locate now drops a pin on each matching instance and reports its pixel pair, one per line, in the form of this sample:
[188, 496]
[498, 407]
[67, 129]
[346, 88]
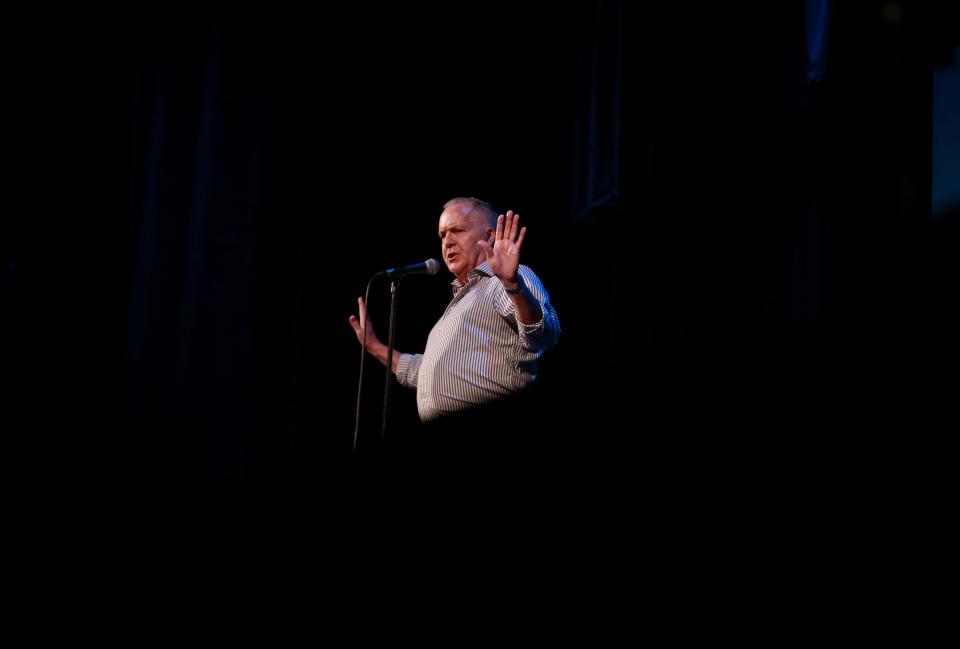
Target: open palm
[504, 255]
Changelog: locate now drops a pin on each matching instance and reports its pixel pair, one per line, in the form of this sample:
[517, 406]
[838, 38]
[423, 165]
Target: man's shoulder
[529, 275]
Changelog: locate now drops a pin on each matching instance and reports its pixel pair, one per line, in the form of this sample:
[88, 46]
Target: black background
[767, 291]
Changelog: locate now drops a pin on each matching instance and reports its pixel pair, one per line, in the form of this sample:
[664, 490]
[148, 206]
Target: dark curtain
[275, 165]
[725, 239]
[597, 165]
[215, 268]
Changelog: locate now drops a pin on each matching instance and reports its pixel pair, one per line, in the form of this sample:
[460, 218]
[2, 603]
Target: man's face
[461, 227]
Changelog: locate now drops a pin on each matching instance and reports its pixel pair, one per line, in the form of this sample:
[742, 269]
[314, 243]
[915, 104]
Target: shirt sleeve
[538, 336]
[408, 367]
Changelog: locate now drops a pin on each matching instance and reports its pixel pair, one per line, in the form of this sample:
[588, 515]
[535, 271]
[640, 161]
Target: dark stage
[751, 278]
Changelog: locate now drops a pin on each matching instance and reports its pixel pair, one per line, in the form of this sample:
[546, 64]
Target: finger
[513, 225]
[357, 325]
[523, 233]
[499, 227]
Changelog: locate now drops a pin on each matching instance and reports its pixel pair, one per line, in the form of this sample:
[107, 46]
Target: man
[500, 321]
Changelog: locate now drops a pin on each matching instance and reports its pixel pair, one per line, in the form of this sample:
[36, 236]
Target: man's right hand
[376, 348]
[373, 343]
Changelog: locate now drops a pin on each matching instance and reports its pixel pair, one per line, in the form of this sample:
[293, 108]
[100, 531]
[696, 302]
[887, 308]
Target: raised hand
[504, 255]
[373, 343]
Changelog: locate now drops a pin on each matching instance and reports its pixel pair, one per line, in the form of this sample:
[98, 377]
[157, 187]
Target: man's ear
[491, 235]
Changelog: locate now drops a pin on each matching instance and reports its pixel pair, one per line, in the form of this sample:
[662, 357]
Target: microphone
[430, 267]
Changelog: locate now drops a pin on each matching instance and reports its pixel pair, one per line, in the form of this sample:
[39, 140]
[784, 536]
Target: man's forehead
[459, 213]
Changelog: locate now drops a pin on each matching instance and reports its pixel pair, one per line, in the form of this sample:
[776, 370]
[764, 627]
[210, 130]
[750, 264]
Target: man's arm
[373, 344]
[537, 325]
[380, 353]
[503, 258]
[526, 305]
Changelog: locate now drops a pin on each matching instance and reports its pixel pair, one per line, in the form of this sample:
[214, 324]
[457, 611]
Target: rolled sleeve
[408, 367]
[541, 335]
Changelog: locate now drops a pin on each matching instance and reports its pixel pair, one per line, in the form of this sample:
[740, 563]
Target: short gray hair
[476, 203]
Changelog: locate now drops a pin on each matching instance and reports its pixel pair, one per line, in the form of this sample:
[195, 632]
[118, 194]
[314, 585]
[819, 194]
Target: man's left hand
[504, 255]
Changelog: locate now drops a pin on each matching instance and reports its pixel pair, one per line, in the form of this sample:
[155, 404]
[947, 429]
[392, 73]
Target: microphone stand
[390, 337]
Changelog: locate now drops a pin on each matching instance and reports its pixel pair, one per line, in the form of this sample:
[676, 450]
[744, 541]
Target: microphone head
[433, 266]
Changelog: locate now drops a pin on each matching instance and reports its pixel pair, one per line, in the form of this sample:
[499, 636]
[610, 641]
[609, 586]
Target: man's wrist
[512, 287]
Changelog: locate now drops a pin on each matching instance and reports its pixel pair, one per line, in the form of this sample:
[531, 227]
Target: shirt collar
[480, 270]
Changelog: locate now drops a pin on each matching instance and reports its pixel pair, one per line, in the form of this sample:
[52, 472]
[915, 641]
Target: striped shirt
[479, 350]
